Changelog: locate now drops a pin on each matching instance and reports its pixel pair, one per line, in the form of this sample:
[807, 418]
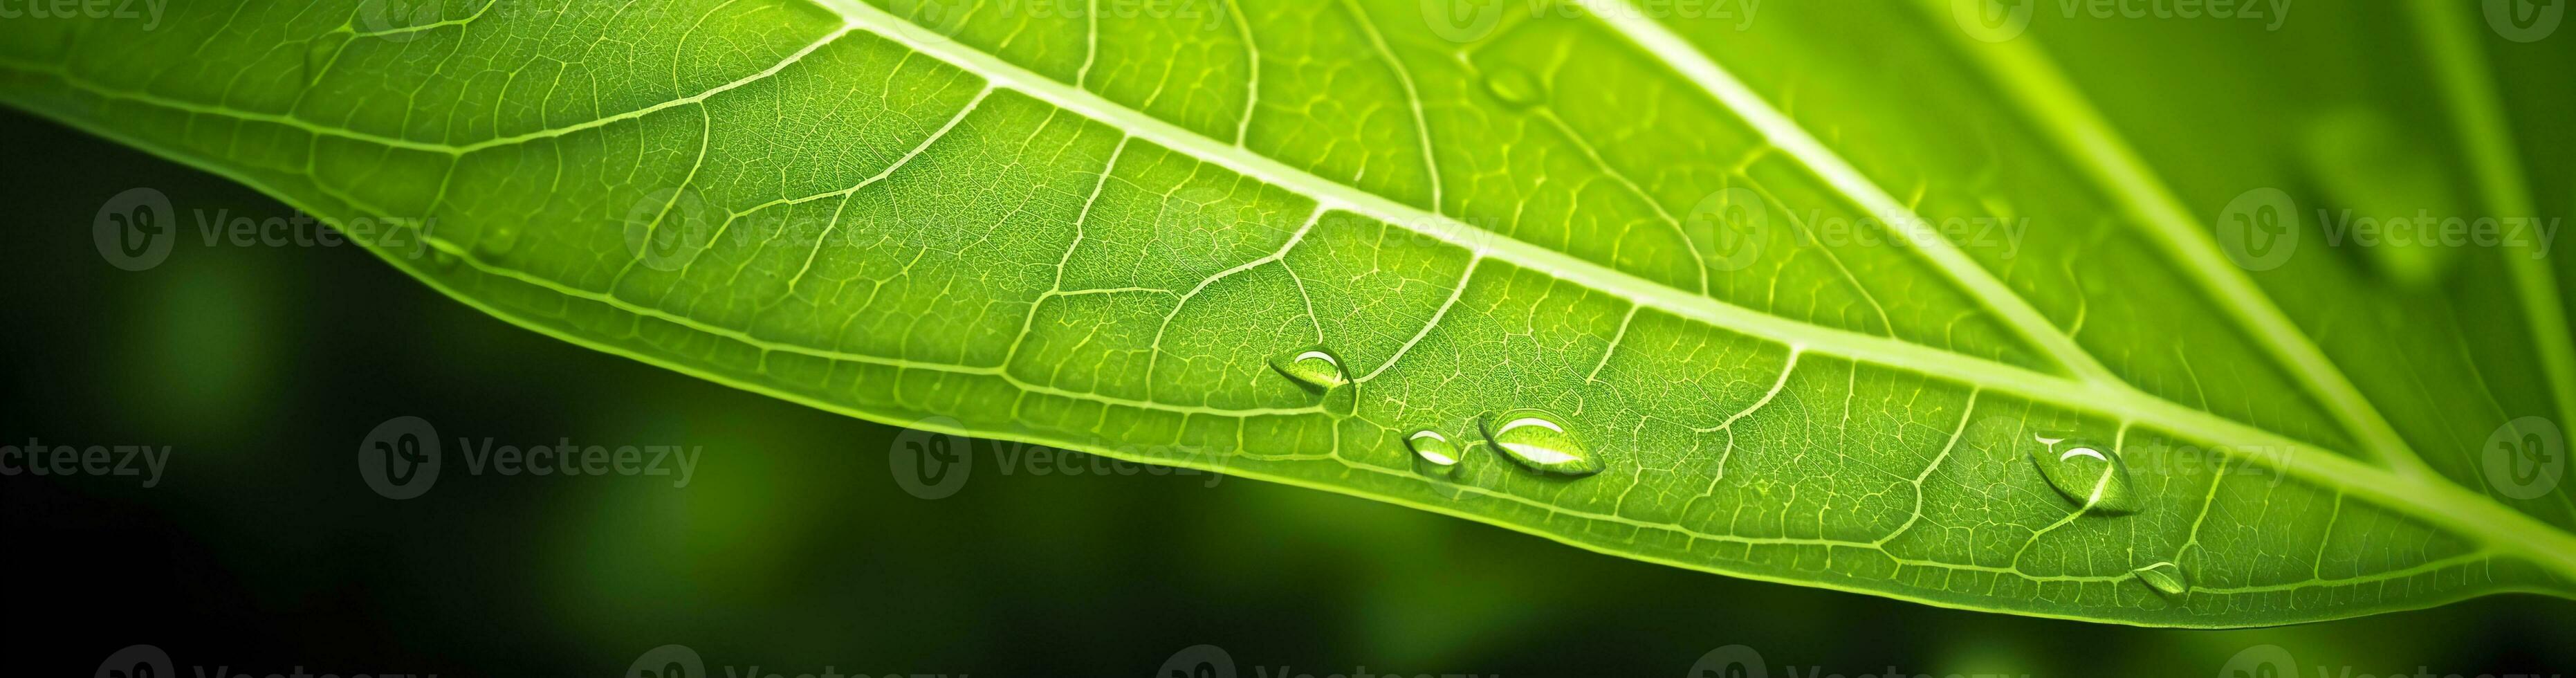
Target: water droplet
[1514, 86]
[443, 258]
[500, 239]
[1537, 440]
[1433, 449]
[1314, 368]
[2088, 474]
[2166, 578]
[319, 54]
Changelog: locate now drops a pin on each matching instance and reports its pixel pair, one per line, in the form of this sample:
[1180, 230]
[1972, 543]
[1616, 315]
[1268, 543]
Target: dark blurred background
[792, 549]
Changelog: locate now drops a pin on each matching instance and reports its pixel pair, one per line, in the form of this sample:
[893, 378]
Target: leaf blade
[1576, 312]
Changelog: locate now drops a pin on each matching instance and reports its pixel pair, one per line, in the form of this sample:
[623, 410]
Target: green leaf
[1893, 302]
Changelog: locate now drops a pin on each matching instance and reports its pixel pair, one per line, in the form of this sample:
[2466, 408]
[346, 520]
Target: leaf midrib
[2469, 514]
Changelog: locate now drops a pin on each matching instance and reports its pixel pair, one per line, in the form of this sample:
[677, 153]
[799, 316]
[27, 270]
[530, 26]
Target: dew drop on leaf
[2086, 473]
[1540, 441]
[499, 240]
[1433, 449]
[1514, 86]
[1314, 368]
[2166, 578]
